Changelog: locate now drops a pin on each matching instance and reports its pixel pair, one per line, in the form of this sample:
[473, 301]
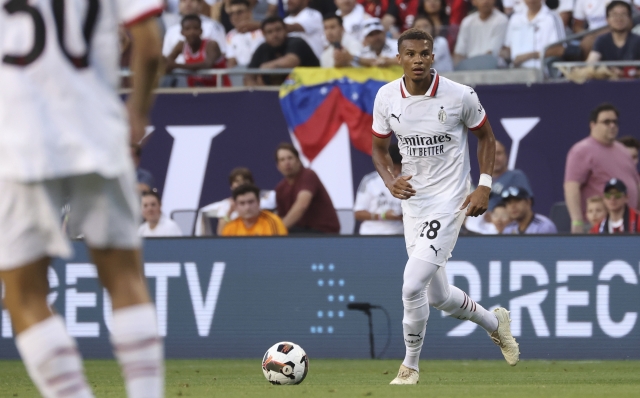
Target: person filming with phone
[342, 47]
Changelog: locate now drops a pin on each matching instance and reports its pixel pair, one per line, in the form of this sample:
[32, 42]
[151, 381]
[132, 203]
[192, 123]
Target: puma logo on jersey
[434, 249]
[397, 117]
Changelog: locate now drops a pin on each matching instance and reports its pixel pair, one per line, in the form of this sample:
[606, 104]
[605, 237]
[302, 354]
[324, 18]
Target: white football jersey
[60, 114]
[432, 136]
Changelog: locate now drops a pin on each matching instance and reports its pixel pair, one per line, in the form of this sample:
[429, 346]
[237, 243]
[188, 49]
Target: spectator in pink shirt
[593, 161]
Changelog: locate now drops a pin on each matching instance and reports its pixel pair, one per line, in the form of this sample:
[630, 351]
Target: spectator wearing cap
[252, 221]
[632, 145]
[379, 50]
[620, 217]
[524, 221]
[619, 44]
[156, 224]
[378, 210]
[593, 161]
[503, 177]
[342, 47]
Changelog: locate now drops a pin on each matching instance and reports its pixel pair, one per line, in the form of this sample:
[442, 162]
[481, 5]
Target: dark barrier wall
[204, 136]
[570, 297]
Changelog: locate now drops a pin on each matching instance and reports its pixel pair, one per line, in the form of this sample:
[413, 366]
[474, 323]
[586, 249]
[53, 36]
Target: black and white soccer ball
[285, 363]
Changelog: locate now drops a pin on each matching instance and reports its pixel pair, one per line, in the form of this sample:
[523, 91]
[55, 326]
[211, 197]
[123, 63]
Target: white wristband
[485, 180]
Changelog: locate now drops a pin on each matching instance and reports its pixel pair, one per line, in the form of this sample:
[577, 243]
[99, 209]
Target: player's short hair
[152, 193]
[243, 172]
[240, 3]
[289, 147]
[328, 16]
[191, 17]
[271, 20]
[629, 141]
[414, 34]
[394, 152]
[595, 199]
[593, 117]
[245, 188]
[616, 3]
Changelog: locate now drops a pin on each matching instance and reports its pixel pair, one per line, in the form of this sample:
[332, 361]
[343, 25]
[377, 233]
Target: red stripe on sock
[63, 351]
[64, 377]
[72, 389]
[137, 345]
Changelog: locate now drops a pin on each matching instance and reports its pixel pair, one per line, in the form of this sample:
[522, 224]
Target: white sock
[414, 326]
[459, 305]
[52, 360]
[139, 350]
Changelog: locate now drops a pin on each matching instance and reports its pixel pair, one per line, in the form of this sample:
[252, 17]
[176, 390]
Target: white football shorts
[106, 211]
[433, 237]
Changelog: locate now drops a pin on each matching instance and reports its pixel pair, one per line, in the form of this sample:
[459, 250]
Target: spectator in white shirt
[530, 32]
[378, 210]
[482, 32]
[306, 23]
[341, 47]
[240, 46]
[379, 50]
[353, 16]
[211, 30]
[156, 224]
[442, 61]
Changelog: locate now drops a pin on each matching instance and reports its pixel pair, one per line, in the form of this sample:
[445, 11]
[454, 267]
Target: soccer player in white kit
[64, 137]
[430, 116]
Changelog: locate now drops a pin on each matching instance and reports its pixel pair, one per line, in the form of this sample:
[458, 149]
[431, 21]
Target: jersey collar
[431, 92]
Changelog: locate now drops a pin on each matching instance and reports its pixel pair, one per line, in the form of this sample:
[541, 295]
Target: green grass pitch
[366, 378]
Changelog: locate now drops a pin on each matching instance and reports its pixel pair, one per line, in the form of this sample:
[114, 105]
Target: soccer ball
[285, 363]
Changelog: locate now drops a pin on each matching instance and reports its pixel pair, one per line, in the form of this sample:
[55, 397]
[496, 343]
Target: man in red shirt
[302, 200]
[620, 218]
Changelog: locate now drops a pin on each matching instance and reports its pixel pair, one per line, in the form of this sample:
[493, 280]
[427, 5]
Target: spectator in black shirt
[620, 44]
[278, 51]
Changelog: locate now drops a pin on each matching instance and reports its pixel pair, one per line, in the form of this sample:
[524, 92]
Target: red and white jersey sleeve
[473, 114]
[381, 127]
[132, 11]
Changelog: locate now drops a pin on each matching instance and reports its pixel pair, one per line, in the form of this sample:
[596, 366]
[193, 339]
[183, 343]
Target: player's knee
[412, 289]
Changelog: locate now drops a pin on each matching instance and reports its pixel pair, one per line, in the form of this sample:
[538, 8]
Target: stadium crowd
[469, 35]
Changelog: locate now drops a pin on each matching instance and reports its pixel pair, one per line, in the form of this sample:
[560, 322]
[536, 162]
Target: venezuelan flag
[317, 101]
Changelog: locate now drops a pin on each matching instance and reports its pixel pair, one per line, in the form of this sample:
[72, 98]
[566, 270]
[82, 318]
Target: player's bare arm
[170, 60]
[398, 186]
[303, 200]
[146, 58]
[478, 200]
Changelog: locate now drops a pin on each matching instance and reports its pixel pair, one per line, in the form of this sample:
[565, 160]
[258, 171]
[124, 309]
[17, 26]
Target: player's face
[595, 212]
[606, 126]
[615, 200]
[248, 205]
[191, 31]
[333, 31]
[619, 19]
[288, 164]
[150, 209]
[274, 34]
[500, 164]
[500, 218]
[186, 7]
[239, 13]
[346, 6]
[518, 209]
[416, 58]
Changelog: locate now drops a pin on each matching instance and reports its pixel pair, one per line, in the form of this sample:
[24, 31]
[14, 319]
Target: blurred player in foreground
[64, 136]
[430, 116]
